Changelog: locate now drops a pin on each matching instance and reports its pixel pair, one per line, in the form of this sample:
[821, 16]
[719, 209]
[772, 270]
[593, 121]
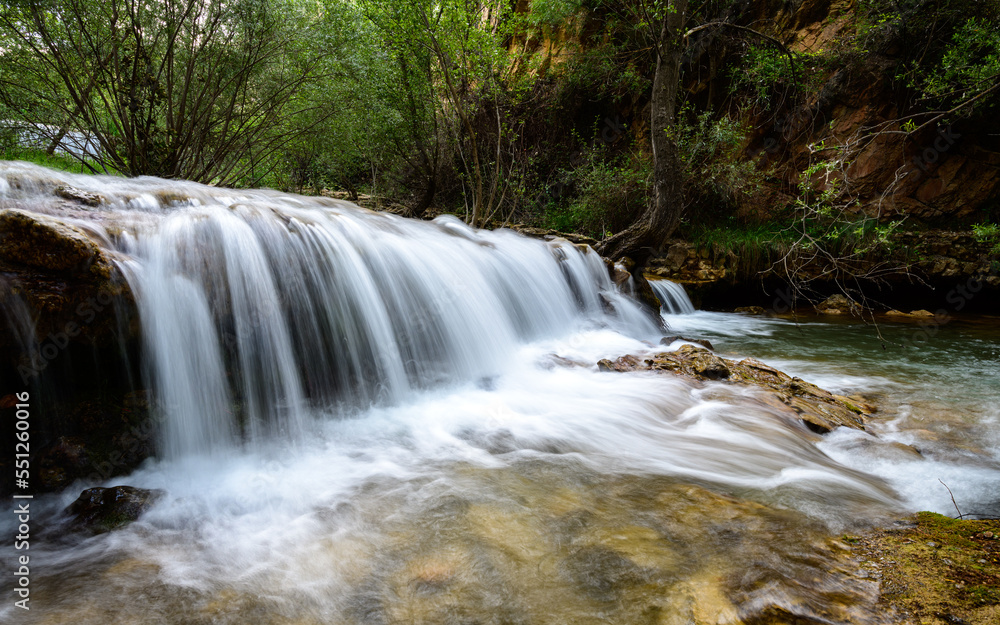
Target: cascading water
[260, 308]
[313, 306]
[369, 419]
[673, 298]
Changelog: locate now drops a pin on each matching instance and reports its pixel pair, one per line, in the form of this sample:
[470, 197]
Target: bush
[608, 193]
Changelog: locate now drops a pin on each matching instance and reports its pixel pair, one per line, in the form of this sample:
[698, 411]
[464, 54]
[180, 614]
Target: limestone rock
[42, 242]
[838, 305]
[820, 410]
[88, 198]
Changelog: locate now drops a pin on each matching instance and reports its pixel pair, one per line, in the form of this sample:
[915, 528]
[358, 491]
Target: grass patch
[749, 248]
[940, 569]
[40, 157]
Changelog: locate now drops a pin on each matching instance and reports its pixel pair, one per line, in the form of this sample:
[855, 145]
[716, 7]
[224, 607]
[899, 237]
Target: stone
[751, 310]
[63, 461]
[676, 256]
[104, 509]
[45, 243]
[88, 198]
[818, 409]
[668, 340]
[838, 304]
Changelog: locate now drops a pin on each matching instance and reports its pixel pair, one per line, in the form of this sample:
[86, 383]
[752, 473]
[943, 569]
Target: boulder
[61, 462]
[45, 243]
[668, 340]
[818, 409]
[838, 305]
[105, 509]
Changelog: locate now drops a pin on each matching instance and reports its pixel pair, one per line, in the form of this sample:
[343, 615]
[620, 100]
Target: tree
[194, 89]
[447, 53]
[663, 213]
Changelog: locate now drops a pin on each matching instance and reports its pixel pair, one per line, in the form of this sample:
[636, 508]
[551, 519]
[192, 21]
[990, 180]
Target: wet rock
[105, 509]
[910, 316]
[625, 363]
[602, 573]
[667, 340]
[694, 361]
[751, 310]
[88, 198]
[45, 243]
[838, 305]
[619, 275]
[820, 410]
[62, 462]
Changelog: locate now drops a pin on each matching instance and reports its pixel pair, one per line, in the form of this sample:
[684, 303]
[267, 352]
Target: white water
[673, 298]
[330, 380]
[936, 396]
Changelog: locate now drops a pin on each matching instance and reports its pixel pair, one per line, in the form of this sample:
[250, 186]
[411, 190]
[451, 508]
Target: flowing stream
[367, 419]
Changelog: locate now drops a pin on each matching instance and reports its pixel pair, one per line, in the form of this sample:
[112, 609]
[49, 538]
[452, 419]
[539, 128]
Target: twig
[960, 515]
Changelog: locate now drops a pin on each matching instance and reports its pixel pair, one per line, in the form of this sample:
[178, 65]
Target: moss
[939, 569]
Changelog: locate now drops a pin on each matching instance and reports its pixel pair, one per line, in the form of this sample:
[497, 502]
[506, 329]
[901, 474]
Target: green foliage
[970, 64]
[610, 191]
[717, 177]
[40, 157]
[175, 88]
[749, 247]
[552, 13]
[767, 70]
[988, 233]
[600, 73]
[949, 51]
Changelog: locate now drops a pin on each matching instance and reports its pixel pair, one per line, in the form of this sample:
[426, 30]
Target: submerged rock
[820, 410]
[105, 509]
[913, 314]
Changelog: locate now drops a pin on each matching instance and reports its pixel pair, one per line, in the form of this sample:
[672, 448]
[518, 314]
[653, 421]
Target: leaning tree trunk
[663, 213]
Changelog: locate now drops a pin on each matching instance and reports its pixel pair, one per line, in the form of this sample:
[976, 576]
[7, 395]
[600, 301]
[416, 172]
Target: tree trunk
[425, 199]
[661, 217]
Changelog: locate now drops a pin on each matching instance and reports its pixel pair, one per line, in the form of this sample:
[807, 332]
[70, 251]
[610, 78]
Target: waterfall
[673, 298]
[260, 310]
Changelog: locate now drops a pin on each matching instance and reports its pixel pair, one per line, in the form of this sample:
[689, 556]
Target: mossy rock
[937, 569]
[105, 509]
[820, 410]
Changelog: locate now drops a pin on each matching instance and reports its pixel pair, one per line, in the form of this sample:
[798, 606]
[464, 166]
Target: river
[372, 420]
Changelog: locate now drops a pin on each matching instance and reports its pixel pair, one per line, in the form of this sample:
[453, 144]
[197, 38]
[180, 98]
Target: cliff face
[850, 105]
[942, 174]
